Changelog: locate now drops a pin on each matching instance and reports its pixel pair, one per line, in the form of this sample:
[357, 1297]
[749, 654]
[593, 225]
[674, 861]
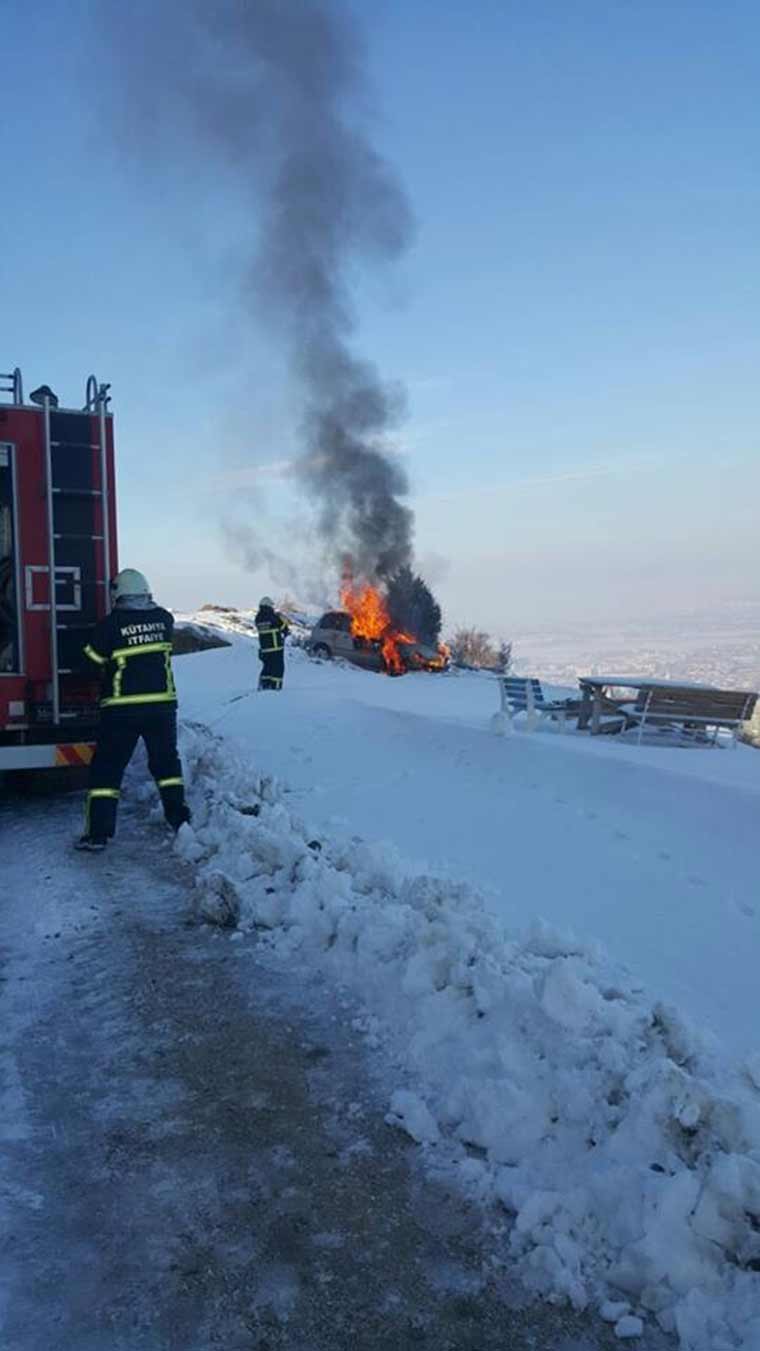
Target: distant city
[720, 647]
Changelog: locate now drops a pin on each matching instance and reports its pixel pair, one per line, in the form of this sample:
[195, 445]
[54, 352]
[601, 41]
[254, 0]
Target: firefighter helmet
[129, 582]
[266, 601]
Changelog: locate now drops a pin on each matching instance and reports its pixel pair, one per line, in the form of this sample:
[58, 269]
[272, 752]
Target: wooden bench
[523, 694]
[697, 714]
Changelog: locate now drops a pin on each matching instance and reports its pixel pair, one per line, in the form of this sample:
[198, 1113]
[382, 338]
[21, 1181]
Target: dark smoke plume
[274, 89]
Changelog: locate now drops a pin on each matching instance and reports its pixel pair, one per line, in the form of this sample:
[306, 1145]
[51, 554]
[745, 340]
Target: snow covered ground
[555, 937]
[652, 851]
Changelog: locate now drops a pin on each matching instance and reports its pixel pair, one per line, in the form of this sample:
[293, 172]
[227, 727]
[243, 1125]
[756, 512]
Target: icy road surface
[193, 1155]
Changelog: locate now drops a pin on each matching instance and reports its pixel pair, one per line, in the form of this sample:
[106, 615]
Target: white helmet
[128, 582]
[266, 600]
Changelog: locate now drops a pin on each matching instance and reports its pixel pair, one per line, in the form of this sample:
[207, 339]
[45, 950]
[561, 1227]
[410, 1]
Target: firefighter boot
[89, 845]
[99, 820]
[184, 819]
[176, 810]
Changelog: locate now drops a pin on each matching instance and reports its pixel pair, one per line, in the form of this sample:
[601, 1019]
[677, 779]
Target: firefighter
[272, 629]
[132, 649]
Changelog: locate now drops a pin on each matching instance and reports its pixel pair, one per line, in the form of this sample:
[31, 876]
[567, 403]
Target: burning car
[363, 634]
[332, 637]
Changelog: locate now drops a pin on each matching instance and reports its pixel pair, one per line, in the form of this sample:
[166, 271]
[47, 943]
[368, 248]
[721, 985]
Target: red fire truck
[57, 520]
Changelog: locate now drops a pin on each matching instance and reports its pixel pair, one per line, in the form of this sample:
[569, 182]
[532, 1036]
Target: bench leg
[531, 719]
[596, 714]
[502, 722]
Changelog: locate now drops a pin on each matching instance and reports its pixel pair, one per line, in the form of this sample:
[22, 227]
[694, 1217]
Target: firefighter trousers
[119, 732]
[272, 670]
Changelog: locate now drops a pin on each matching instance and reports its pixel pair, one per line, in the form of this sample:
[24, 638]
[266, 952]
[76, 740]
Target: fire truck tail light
[16, 708]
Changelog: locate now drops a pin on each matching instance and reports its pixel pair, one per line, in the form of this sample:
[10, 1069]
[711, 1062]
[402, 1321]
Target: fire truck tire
[323, 651]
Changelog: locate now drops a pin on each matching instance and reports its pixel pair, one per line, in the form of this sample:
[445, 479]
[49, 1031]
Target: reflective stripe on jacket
[133, 651]
[271, 629]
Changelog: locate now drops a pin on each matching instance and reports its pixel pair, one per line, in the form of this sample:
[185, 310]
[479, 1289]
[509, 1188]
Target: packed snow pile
[624, 1150]
[228, 620]
[190, 636]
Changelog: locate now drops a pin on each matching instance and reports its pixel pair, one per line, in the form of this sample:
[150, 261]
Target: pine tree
[413, 607]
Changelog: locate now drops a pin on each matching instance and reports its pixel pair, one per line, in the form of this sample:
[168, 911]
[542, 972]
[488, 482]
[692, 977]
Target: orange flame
[369, 613]
[444, 657]
[371, 620]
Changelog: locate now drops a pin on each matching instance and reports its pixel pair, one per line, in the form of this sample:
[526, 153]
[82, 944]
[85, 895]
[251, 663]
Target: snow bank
[626, 1153]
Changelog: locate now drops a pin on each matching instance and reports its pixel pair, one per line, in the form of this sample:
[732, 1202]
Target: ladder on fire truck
[11, 383]
[60, 495]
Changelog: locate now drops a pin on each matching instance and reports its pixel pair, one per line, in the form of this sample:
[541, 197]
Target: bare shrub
[475, 648]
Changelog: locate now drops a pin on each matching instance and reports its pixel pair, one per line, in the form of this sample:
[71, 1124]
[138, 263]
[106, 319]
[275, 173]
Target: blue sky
[576, 322]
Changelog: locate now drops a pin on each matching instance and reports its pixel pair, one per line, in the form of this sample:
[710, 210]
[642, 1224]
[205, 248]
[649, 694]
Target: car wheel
[322, 650]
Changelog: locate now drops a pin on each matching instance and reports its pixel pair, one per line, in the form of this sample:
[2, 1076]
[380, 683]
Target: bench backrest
[721, 707]
[516, 691]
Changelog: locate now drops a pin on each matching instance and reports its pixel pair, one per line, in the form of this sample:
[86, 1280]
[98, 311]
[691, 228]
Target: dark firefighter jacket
[271, 629]
[133, 651]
